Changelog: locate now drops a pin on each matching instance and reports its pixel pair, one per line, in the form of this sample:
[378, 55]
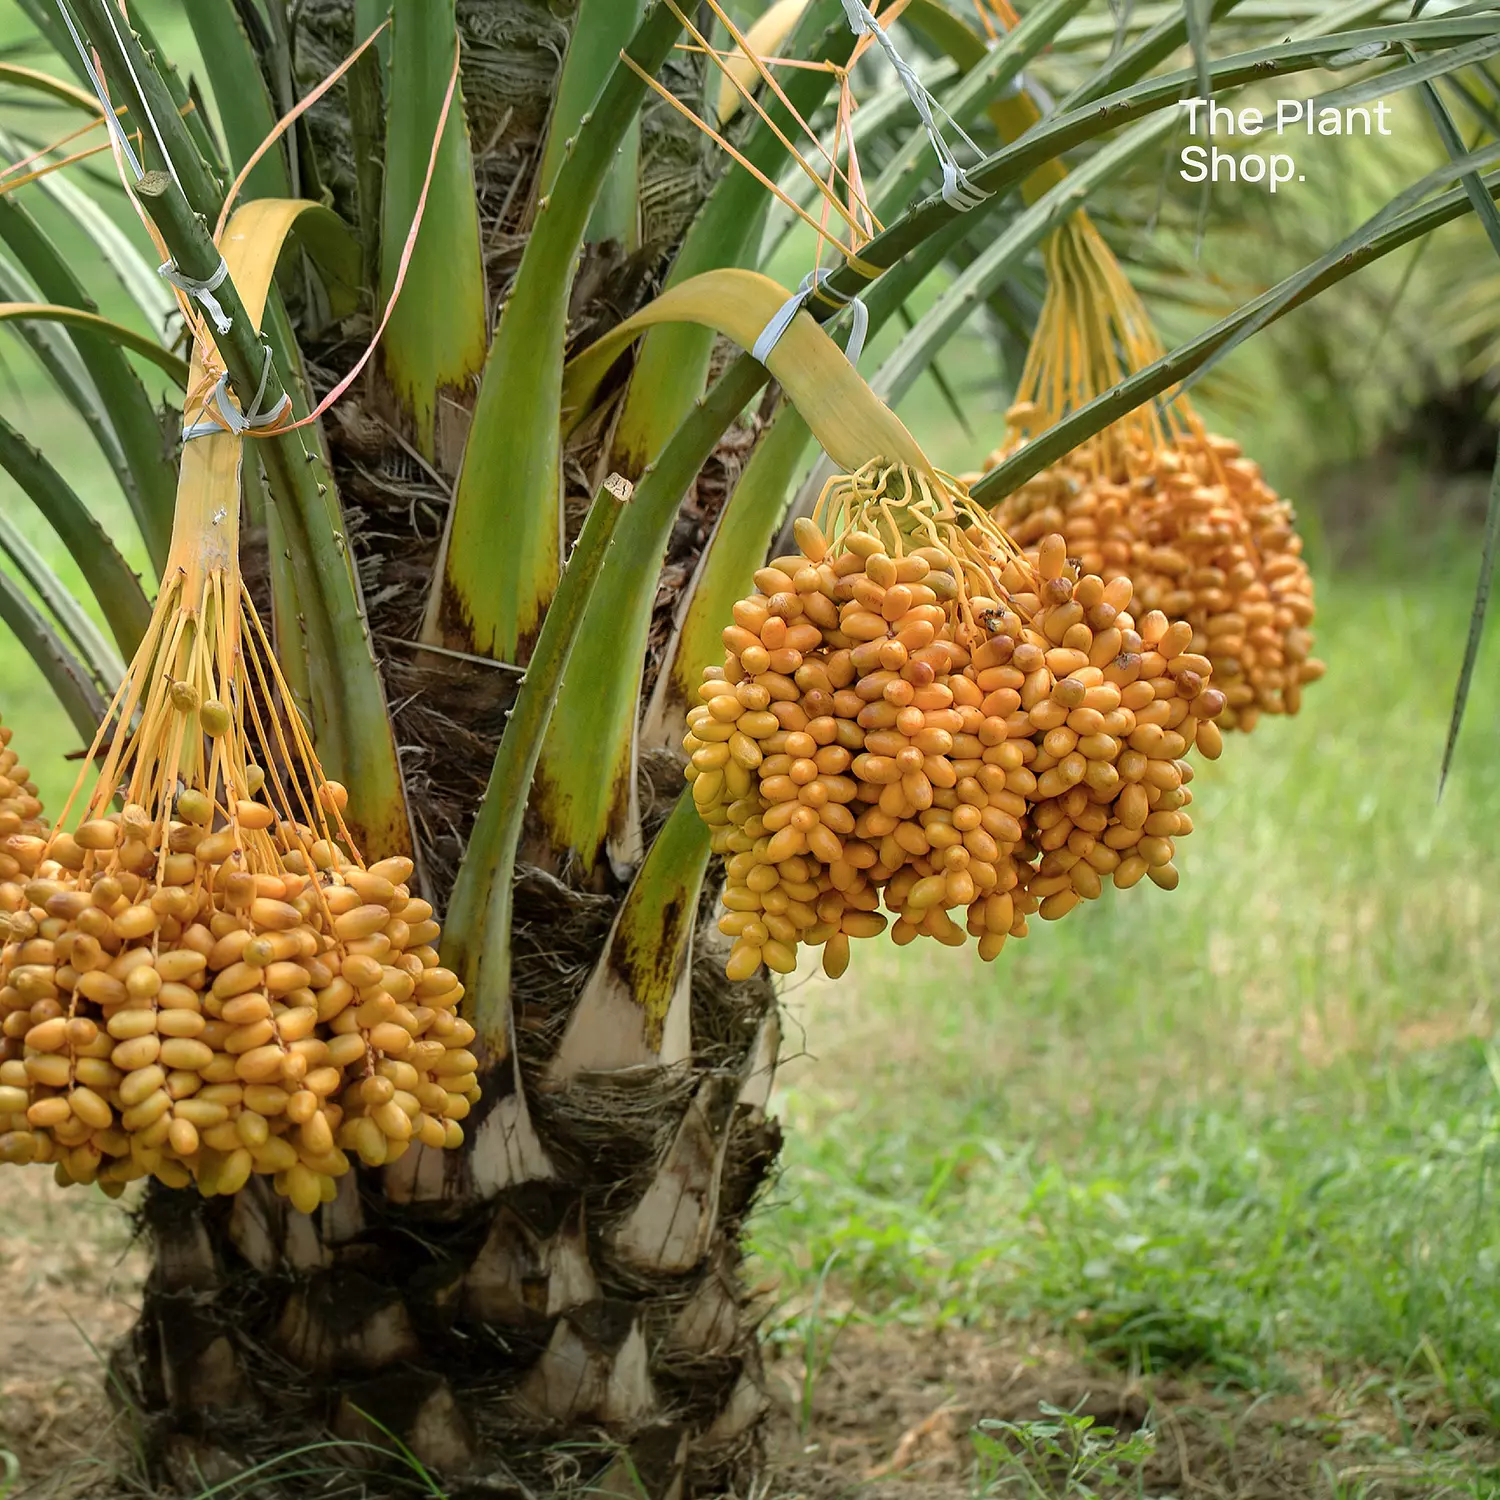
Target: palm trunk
[561, 1307]
[585, 1322]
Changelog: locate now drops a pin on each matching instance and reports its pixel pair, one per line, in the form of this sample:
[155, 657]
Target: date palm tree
[493, 584]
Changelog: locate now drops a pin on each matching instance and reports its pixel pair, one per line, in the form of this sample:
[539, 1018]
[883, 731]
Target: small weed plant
[1062, 1456]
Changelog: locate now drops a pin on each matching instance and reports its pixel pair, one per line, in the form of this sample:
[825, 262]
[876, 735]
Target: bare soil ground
[887, 1412]
[70, 1276]
[893, 1410]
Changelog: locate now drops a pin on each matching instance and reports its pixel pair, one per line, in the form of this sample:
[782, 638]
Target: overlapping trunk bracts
[582, 1319]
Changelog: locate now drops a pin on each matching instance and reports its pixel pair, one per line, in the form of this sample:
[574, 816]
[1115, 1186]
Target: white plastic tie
[235, 421]
[111, 119]
[771, 334]
[106, 108]
[161, 145]
[958, 192]
[201, 291]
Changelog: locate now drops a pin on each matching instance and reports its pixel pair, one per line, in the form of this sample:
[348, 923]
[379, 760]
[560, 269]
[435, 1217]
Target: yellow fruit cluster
[166, 1012]
[200, 980]
[20, 807]
[882, 730]
[1202, 538]
[1154, 497]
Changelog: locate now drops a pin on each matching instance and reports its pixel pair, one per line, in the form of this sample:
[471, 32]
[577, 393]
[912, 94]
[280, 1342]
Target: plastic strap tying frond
[958, 192]
[201, 291]
[813, 282]
[161, 145]
[231, 419]
[110, 119]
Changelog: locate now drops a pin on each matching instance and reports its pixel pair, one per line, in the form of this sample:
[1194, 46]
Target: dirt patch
[71, 1279]
[892, 1411]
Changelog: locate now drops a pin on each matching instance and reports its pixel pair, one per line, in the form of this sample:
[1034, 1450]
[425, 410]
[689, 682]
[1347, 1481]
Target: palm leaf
[1489, 217]
[1391, 80]
[886, 116]
[585, 784]
[102, 661]
[953, 307]
[1487, 555]
[355, 738]
[434, 344]
[33, 79]
[43, 15]
[600, 29]
[672, 366]
[1195, 14]
[1289, 291]
[501, 546]
[1340, 16]
[245, 108]
[118, 334]
[136, 81]
[1155, 45]
[477, 945]
[54, 351]
[968, 99]
[114, 585]
[69, 679]
[736, 548]
[184, 100]
[100, 345]
[635, 1007]
[120, 253]
[1011, 165]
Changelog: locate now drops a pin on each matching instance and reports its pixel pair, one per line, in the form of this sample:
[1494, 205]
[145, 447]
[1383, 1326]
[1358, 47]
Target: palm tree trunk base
[541, 1343]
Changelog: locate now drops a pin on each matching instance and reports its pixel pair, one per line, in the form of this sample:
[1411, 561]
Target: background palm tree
[562, 1307]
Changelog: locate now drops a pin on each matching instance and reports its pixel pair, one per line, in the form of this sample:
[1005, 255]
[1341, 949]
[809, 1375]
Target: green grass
[1069, 1450]
[1247, 1130]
